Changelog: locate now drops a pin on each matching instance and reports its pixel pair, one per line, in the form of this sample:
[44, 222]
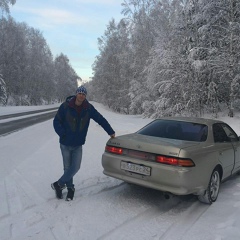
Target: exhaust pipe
[167, 195]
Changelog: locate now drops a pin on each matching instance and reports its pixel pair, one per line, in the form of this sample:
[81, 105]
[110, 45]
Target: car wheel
[212, 191]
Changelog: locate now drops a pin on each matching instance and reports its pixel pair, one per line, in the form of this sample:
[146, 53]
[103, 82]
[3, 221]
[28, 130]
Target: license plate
[136, 168]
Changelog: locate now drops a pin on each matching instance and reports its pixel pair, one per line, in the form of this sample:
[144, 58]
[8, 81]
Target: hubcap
[215, 184]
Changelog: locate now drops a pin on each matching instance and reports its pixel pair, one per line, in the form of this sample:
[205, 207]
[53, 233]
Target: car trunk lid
[156, 145]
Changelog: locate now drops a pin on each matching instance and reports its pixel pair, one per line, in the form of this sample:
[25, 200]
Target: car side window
[230, 133]
[219, 134]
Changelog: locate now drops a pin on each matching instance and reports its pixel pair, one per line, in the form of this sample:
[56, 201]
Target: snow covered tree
[65, 78]
[28, 68]
[198, 53]
[218, 40]
[106, 64]
[26, 63]
[4, 5]
[11, 55]
[38, 74]
[184, 57]
[141, 23]
[167, 70]
[112, 67]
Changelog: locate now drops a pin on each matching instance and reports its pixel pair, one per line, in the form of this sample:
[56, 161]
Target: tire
[212, 191]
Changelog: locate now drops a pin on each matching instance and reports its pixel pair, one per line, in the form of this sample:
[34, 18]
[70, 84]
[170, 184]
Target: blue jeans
[72, 157]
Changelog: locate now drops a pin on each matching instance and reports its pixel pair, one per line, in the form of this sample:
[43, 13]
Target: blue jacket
[72, 126]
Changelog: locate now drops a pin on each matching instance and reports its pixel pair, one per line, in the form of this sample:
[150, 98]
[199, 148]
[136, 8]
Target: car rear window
[180, 130]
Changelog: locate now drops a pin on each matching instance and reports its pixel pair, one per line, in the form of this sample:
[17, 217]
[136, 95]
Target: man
[71, 124]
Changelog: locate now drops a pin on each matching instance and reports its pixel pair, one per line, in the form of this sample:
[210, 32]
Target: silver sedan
[176, 155]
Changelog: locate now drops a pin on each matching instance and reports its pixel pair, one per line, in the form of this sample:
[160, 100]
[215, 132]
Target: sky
[71, 27]
[104, 208]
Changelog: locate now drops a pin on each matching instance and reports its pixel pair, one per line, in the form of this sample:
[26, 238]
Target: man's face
[81, 97]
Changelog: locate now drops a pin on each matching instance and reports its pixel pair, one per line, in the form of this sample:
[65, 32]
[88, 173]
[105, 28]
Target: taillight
[115, 150]
[175, 161]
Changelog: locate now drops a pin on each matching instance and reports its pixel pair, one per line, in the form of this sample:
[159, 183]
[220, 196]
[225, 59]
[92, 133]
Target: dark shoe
[70, 194]
[58, 190]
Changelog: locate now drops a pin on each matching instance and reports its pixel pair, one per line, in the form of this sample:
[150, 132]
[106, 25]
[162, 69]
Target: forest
[163, 58]
[29, 75]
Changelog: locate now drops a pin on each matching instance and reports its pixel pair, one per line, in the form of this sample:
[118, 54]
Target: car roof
[206, 121]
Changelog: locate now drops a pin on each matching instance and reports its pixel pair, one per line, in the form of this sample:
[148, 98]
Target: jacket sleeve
[58, 122]
[97, 117]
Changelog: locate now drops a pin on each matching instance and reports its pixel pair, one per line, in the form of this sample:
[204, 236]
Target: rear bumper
[176, 180]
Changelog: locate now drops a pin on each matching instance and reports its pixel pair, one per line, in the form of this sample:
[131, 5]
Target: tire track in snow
[95, 186]
[21, 194]
[4, 206]
[17, 195]
[127, 228]
[184, 222]
[47, 212]
[43, 218]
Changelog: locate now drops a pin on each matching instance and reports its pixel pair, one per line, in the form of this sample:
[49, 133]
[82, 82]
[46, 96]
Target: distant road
[12, 126]
[26, 113]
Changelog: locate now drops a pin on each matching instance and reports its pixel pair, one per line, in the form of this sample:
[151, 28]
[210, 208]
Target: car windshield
[180, 130]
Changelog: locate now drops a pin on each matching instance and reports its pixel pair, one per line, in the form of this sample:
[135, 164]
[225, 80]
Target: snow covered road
[103, 208]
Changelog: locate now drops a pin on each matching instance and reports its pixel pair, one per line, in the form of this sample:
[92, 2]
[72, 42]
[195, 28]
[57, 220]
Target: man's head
[81, 90]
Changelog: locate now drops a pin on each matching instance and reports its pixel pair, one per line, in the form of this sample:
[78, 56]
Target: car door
[224, 149]
[236, 145]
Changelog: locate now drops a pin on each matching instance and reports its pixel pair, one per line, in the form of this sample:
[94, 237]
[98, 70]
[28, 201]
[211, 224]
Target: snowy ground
[104, 208]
